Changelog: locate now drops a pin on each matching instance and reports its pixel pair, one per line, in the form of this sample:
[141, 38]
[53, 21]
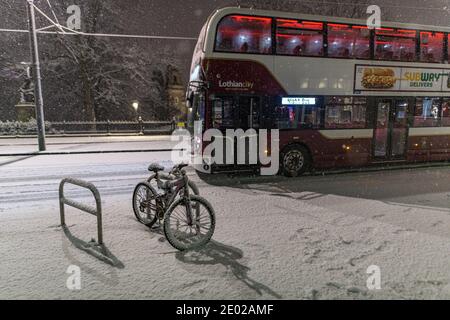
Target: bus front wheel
[295, 161]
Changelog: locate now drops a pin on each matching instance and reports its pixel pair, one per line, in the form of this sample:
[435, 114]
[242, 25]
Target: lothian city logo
[236, 84]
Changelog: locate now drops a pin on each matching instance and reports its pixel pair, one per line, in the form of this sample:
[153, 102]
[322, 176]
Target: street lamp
[135, 106]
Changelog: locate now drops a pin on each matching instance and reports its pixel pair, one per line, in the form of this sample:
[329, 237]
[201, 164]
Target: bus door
[236, 112]
[249, 112]
[391, 129]
[248, 117]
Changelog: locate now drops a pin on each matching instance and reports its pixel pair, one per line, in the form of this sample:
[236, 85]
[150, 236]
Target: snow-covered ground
[276, 238]
[56, 144]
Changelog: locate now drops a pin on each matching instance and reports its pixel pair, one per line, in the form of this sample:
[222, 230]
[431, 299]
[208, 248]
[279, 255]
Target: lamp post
[37, 75]
[135, 105]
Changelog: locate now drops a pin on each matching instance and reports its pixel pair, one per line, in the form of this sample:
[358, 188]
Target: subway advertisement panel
[387, 78]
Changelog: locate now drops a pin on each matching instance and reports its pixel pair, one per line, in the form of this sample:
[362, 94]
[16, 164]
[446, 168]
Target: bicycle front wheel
[187, 234]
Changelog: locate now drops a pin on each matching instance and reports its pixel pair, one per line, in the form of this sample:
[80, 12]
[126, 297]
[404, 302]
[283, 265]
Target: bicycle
[188, 220]
[175, 173]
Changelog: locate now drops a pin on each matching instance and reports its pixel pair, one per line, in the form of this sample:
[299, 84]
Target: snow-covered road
[305, 238]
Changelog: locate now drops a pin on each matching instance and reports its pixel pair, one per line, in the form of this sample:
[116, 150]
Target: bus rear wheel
[296, 160]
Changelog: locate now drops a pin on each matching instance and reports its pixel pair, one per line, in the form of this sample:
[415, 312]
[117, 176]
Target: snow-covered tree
[109, 73]
[86, 78]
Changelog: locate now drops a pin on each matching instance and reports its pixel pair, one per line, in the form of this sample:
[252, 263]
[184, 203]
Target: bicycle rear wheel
[184, 236]
[145, 204]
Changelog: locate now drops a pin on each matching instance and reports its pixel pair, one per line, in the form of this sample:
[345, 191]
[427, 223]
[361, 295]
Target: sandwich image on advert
[378, 78]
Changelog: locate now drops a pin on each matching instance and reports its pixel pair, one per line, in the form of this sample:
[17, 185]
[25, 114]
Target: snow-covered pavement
[95, 143]
[276, 238]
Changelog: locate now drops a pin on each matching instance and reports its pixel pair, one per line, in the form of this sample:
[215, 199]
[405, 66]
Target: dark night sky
[185, 17]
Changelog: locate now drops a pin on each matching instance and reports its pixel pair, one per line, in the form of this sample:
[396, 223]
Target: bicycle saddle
[155, 167]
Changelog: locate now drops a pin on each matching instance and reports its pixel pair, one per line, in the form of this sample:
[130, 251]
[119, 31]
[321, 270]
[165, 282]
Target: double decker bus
[340, 93]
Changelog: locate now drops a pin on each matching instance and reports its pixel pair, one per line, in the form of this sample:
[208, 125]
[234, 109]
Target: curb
[379, 168]
[84, 135]
[59, 153]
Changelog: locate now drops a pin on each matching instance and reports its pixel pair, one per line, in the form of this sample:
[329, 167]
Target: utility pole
[36, 70]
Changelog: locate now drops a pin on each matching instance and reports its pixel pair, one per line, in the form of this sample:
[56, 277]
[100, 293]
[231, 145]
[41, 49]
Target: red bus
[341, 94]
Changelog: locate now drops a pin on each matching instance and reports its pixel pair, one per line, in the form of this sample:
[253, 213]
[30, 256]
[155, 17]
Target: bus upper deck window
[346, 41]
[395, 44]
[244, 34]
[431, 46]
[299, 38]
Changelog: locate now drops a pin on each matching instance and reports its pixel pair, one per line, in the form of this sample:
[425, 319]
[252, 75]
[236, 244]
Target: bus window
[345, 113]
[245, 35]
[445, 113]
[249, 112]
[296, 38]
[223, 113]
[448, 45]
[198, 108]
[346, 41]
[392, 44]
[428, 112]
[297, 117]
[431, 46]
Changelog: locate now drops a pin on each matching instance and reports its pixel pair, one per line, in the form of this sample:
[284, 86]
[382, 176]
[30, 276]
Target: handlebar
[177, 168]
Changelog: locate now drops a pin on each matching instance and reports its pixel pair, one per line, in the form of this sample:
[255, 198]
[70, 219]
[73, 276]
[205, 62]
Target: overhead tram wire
[53, 23]
[53, 12]
[87, 34]
[104, 35]
[58, 25]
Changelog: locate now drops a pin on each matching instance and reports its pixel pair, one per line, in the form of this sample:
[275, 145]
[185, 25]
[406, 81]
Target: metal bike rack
[96, 249]
[80, 206]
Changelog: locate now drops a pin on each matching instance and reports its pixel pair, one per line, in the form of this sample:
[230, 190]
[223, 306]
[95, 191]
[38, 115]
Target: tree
[86, 78]
[109, 73]
[14, 49]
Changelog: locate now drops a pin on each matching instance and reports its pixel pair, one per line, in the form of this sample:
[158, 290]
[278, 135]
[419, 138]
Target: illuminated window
[297, 117]
[223, 112]
[448, 41]
[299, 38]
[395, 44]
[428, 112]
[345, 113]
[346, 41]
[445, 113]
[245, 35]
[431, 46]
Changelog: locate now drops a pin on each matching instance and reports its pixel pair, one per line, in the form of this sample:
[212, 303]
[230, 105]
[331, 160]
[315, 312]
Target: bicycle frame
[179, 184]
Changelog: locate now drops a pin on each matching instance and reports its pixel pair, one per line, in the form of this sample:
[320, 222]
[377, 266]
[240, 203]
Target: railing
[111, 127]
[89, 127]
[80, 206]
